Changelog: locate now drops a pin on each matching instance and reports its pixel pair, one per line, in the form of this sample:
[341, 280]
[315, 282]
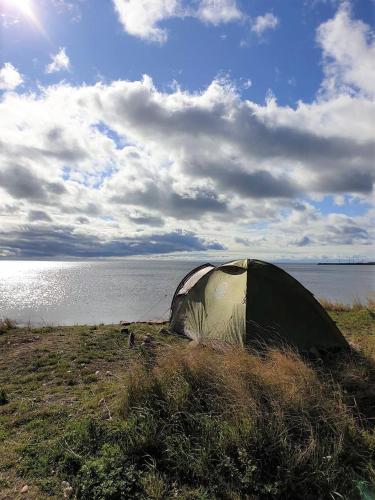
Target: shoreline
[329, 305]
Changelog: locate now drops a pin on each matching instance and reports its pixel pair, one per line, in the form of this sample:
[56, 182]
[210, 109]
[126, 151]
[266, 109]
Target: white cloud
[349, 54]
[141, 18]
[202, 158]
[218, 11]
[10, 78]
[123, 163]
[60, 62]
[68, 7]
[263, 23]
[246, 84]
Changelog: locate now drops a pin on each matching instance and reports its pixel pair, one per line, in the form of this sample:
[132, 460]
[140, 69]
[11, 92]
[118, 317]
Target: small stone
[25, 489]
[97, 372]
[108, 373]
[68, 492]
[67, 489]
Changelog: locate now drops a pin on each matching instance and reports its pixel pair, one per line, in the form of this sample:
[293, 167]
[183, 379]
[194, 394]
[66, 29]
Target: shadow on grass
[354, 373]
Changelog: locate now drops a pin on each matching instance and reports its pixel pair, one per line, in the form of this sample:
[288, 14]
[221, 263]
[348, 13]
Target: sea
[92, 292]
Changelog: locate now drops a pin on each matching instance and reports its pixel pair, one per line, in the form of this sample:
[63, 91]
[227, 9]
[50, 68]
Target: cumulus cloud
[329, 230]
[250, 242]
[263, 23]
[195, 157]
[148, 220]
[10, 78]
[349, 52]
[142, 18]
[347, 233]
[20, 182]
[124, 166]
[306, 240]
[39, 215]
[218, 11]
[60, 62]
[82, 220]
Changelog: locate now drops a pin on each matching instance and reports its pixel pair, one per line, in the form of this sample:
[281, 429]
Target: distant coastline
[346, 263]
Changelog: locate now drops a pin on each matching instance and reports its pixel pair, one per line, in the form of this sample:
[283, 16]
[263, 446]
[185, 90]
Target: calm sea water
[94, 292]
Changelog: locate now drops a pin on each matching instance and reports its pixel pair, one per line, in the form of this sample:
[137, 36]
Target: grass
[81, 411]
[356, 305]
[6, 324]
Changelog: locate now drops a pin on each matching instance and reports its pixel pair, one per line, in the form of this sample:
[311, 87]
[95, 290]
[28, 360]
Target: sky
[200, 129]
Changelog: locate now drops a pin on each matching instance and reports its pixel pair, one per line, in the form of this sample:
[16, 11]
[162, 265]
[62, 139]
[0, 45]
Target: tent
[247, 302]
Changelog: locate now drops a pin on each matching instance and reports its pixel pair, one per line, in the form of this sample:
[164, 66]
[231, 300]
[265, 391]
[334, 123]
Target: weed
[3, 483]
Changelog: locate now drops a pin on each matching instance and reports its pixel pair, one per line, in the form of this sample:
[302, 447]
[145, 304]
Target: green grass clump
[232, 423]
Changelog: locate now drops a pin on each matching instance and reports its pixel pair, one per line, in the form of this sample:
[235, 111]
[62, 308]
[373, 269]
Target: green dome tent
[247, 302]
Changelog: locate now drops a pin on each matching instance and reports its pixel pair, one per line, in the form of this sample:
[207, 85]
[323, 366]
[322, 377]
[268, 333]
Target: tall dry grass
[7, 324]
[356, 305]
[238, 423]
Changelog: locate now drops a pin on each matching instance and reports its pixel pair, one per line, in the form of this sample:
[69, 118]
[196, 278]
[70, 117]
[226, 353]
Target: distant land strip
[346, 263]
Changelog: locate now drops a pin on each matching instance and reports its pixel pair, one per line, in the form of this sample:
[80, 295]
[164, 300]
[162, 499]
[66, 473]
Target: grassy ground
[83, 415]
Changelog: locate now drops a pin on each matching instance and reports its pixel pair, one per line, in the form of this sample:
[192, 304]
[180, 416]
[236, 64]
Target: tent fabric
[251, 302]
[194, 278]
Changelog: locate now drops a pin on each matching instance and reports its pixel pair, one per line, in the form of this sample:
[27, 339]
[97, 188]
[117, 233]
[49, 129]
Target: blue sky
[251, 133]
[194, 54]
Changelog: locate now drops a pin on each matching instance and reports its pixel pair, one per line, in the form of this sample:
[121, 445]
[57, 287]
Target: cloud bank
[124, 168]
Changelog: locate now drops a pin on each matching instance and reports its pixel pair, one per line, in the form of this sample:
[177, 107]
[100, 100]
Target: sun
[23, 7]
[26, 9]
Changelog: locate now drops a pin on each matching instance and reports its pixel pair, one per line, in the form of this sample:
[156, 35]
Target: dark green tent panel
[249, 302]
